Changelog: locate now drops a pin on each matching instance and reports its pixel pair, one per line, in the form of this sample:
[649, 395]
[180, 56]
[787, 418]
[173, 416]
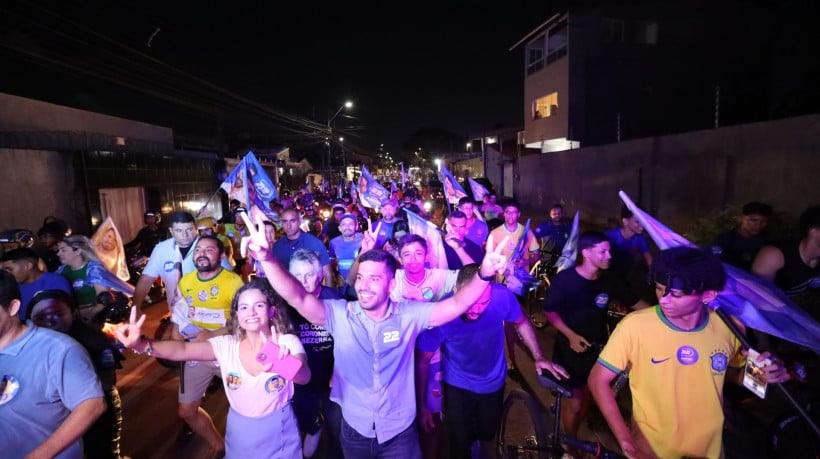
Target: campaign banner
[453, 192]
[371, 192]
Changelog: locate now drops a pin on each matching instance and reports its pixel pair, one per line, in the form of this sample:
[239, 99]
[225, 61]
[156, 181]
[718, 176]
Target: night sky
[263, 69]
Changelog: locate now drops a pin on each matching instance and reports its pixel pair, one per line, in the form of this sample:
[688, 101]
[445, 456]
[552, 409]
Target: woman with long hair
[261, 422]
[89, 278]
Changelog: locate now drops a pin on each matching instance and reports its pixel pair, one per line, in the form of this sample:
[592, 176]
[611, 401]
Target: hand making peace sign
[494, 261]
[255, 241]
[370, 236]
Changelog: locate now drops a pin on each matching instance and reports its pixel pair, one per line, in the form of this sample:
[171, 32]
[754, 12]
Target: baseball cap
[389, 202]
[339, 207]
[348, 215]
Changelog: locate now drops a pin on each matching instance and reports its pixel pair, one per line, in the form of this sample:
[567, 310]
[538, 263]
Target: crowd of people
[379, 345]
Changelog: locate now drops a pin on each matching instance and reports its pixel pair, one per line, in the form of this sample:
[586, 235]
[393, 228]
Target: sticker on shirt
[388, 337]
[276, 383]
[687, 355]
[601, 300]
[233, 380]
[209, 316]
[78, 284]
[168, 266]
[427, 293]
[720, 361]
[9, 386]
[202, 296]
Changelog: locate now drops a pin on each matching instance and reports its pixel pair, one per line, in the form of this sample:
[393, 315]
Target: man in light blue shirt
[374, 337]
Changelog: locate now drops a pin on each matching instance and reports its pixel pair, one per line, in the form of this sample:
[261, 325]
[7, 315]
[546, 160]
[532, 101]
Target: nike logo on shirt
[659, 361]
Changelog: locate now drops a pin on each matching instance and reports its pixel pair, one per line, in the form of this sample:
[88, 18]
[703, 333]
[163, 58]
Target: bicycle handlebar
[546, 379]
[592, 447]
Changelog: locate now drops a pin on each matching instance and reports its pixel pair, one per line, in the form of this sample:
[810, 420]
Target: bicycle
[543, 270]
[533, 441]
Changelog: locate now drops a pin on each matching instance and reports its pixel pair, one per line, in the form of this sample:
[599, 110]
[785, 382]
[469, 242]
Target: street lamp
[344, 162]
[345, 105]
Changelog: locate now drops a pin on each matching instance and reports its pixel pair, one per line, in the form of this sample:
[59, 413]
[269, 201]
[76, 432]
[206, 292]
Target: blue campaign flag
[570, 250]
[403, 177]
[371, 192]
[436, 258]
[757, 303]
[452, 190]
[479, 191]
[393, 188]
[260, 190]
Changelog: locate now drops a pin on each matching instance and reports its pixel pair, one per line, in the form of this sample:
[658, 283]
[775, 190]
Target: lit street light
[345, 105]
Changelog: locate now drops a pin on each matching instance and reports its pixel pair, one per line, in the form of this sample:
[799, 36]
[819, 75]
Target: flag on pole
[371, 192]
[570, 250]
[479, 191]
[452, 190]
[436, 258]
[250, 184]
[108, 245]
[393, 188]
[757, 303]
[403, 177]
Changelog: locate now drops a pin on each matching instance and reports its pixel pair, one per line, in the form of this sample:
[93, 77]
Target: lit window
[545, 106]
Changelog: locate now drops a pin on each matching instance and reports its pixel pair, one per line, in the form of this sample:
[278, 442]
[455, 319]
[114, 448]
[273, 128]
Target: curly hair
[687, 269]
[278, 316]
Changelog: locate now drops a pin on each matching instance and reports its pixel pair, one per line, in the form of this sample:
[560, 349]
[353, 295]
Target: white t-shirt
[437, 283]
[253, 396]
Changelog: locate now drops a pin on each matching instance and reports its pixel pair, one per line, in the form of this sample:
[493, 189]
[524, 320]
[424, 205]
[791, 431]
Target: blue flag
[260, 190]
[393, 188]
[757, 303]
[403, 177]
[479, 191]
[436, 258]
[452, 190]
[570, 250]
[371, 192]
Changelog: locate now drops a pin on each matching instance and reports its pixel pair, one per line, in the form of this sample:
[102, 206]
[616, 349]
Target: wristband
[489, 278]
[149, 351]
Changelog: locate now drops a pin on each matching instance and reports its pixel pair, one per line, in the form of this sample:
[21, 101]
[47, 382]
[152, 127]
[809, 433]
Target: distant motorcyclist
[149, 236]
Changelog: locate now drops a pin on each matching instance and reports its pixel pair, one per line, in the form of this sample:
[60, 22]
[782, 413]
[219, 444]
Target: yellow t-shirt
[676, 379]
[209, 301]
[498, 234]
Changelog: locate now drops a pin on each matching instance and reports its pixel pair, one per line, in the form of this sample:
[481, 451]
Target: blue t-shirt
[283, 248]
[624, 250]
[345, 252]
[48, 281]
[472, 352]
[46, 375]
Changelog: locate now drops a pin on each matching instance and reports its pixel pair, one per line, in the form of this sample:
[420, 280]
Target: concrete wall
[21, 114]
[41, 183]
[678, 178]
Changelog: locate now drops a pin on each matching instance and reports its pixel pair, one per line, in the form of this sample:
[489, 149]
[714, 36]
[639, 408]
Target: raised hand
[130, 333]
[494, 261]
[370, 237]
[255, 241]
